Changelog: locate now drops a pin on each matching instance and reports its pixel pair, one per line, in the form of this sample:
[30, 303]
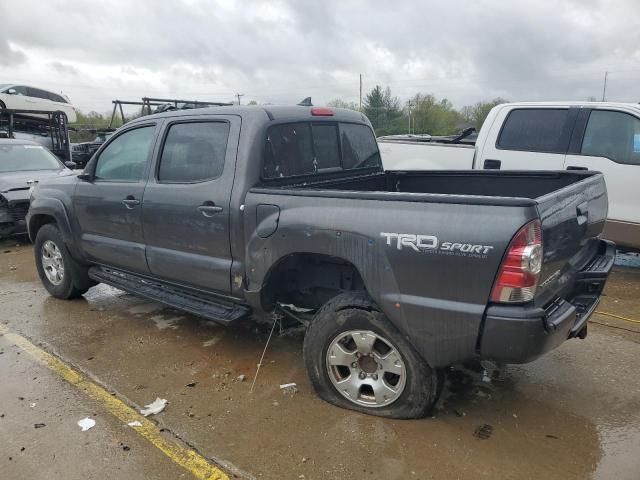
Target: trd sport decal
[431, 244]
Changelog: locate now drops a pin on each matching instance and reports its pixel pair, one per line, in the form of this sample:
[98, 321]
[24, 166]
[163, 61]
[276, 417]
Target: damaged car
[23, 163]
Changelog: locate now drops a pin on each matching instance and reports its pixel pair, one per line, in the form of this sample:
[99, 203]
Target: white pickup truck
[597, 136]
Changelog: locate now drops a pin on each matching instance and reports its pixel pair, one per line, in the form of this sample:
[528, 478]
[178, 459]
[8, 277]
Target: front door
[609, 142]
[186, 203]
[108, 207]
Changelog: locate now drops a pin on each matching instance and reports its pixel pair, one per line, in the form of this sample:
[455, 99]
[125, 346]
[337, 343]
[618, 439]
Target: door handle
[209, 209]
[573, 167]
[130, 202]
[492, 164]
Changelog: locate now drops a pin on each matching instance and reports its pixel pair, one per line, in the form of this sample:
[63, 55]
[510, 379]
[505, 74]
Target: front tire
[357, 359]
[60, 274]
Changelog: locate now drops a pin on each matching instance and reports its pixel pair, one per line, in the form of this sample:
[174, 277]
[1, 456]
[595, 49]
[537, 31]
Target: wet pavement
[573, 414]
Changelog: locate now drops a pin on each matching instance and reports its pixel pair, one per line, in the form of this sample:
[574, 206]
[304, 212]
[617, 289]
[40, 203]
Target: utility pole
[604, 87]
[360, 92]
[409, 105]
[239, 95]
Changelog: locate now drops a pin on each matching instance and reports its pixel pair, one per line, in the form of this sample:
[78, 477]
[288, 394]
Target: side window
[534, 130]
[615, 135]
[54, 97]
[193, 152]
[124, 159]
[359, 147]
[325, 146]
[37, 93]
[20, 90]
[289, 150]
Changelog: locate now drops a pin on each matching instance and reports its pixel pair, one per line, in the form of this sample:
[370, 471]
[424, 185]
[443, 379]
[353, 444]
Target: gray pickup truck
[231, 212]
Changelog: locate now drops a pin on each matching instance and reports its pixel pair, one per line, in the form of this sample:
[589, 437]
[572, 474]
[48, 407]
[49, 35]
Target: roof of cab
[268, 112]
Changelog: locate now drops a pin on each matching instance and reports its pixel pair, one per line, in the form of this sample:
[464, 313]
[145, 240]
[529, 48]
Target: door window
[615, 135]
[124, 158]
[20, 90]
[535, 130]
[193, 152]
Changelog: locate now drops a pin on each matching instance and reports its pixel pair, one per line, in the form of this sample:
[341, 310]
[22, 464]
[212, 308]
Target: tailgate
[572, 219]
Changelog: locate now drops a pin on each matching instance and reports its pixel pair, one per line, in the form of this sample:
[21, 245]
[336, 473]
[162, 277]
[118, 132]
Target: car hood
[15, 181]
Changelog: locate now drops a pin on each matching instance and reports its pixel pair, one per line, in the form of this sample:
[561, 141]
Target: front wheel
[357, 359]
[60, 274]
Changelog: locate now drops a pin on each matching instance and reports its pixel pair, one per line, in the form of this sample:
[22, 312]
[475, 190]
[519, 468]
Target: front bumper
[13, 217]
[520, 334]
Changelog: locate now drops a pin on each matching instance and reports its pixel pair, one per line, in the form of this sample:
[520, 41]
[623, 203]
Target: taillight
[321, 112]
[520, 270]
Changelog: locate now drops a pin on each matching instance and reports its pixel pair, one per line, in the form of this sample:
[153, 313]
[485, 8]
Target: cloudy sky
[280, 51]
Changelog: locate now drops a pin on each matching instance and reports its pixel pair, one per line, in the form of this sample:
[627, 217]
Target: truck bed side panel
[435, 296]
[572, 220]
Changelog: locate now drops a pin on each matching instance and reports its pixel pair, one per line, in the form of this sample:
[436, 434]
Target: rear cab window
[307, 148]
[535, 130]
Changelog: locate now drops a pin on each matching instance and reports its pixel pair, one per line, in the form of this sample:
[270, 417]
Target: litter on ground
[86, 423]
[154, 407]
[135, 424]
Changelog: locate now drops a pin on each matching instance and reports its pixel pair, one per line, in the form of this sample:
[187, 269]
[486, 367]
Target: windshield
[25, 158]
[3, 86]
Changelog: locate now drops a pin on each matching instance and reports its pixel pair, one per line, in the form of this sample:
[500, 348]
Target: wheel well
[37, 222]
[309, 280]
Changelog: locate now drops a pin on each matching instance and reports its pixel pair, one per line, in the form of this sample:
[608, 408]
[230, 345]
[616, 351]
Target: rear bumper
[520, 334]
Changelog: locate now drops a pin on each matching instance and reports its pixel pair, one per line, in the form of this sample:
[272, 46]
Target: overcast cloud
[282, 51]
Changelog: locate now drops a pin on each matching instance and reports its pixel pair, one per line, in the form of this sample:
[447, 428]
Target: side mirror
[12, 91]
[70, 164]
[86, 177]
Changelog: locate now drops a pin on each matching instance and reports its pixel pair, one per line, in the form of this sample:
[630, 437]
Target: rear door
[530, 138]
[186, 203]
[108, 208]
[608, 141]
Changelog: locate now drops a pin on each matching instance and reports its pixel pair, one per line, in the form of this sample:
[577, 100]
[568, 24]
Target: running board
[180, 298]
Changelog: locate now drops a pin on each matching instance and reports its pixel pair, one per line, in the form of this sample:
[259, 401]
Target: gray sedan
[22, 164]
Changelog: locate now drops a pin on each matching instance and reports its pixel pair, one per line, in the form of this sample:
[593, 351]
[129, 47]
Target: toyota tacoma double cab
[232, 212]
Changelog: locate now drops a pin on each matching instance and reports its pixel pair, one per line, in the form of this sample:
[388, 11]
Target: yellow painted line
[619, 317]
[188, 459]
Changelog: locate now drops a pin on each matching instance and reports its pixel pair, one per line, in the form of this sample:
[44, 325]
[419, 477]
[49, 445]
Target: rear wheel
[60, 274]
[357, 359]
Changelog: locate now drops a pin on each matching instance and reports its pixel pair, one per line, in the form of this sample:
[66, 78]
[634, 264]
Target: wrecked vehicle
[22, 164]
[236, 211]
[82, 152]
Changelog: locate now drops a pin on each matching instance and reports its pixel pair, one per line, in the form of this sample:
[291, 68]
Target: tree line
[423, 113]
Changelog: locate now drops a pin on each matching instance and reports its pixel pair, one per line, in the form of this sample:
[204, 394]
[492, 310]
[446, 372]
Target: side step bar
[189, 301]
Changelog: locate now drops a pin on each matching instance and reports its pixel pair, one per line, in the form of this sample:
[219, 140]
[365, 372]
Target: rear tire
[357, 359]
[61, 275]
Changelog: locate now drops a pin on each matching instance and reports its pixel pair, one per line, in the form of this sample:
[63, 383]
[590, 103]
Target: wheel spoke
[350, 386]
[382, 391]
[46, 262]
[337, 355]
[364, 341]
[390, 362]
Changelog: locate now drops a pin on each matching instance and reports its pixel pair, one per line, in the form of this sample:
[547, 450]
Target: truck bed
[501, 187]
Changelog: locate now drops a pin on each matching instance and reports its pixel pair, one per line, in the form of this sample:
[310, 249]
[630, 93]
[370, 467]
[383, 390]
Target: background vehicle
[598, 136]
[22, 97]
[22, 165]
[233, 211]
